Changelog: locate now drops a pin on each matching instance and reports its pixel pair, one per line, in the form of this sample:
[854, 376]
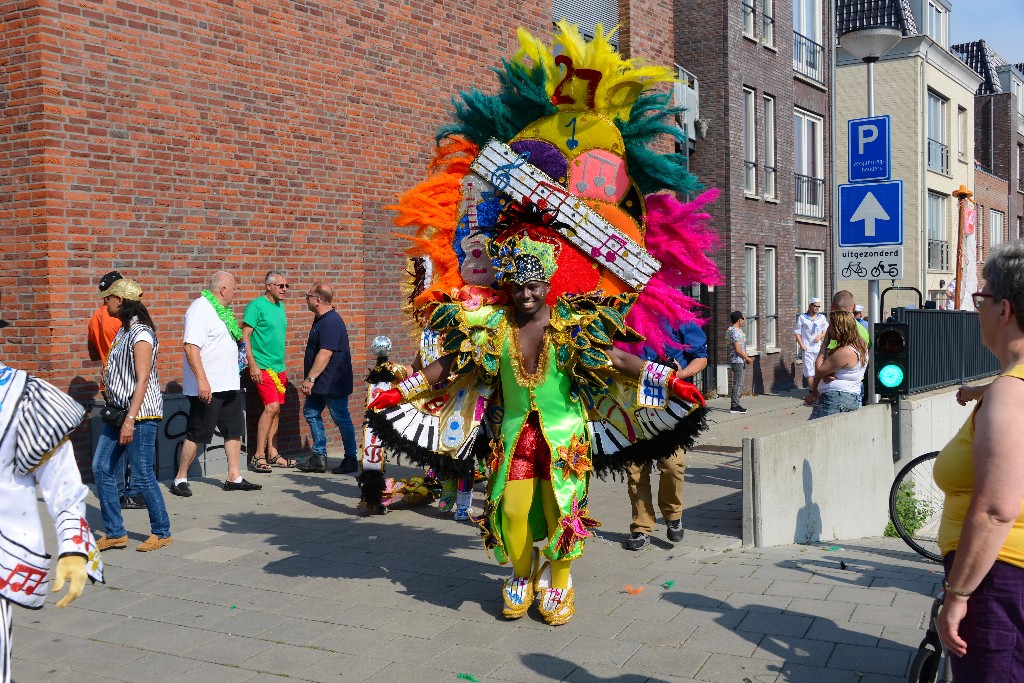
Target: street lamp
[868, 45]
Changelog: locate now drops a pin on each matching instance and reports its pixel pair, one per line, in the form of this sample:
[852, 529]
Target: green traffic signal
[891, 376]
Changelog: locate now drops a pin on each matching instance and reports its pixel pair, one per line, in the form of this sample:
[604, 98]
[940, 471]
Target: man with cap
[36, 420]
[810, 330]
[858, 315]
[102, 329]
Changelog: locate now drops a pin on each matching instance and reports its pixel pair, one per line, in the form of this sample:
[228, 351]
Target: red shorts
[531, 458]
[268, 390]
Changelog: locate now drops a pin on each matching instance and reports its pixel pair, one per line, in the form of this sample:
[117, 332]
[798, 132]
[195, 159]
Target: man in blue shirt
[688, 362]
[327, 382]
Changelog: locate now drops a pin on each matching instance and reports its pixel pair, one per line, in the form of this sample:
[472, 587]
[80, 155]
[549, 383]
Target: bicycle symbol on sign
[854, 269]
[890, 269]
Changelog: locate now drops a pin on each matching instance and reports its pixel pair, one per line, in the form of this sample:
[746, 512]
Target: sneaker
[181, 489]
[106, 543]
[154, 542]
[461, 513]
[133, 503]
[314, 463]
[675, 530]
[636, 541]
[737, 409]
[346, 466]
[242, 486]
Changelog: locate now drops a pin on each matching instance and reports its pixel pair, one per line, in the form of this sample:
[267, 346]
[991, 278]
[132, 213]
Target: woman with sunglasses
[981, 471]
[131, 385]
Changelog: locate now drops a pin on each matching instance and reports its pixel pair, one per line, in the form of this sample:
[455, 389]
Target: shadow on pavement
[557, 668]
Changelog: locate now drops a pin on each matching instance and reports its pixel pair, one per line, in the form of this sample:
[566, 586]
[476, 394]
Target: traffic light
[892, 367]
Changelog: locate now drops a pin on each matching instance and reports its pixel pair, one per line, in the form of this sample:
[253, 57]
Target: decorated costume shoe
[557, 605]
[518, 592]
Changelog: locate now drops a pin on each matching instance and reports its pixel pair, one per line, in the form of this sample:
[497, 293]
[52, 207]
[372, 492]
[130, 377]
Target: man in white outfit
[810, 330]
[35, 421]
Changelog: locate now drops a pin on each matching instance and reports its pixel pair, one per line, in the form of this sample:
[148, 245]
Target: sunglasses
[284, 286]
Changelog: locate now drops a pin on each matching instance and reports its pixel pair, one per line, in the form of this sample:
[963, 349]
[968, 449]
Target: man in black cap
[103, 328]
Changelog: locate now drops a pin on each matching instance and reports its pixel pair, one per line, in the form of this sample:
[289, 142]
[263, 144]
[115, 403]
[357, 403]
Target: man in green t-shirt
[264, 327]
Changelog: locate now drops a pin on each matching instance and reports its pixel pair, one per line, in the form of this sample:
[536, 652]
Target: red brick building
[167, 140]
[765, 73]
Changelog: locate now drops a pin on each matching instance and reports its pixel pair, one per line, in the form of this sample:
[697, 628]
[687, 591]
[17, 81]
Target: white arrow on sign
[869, 211]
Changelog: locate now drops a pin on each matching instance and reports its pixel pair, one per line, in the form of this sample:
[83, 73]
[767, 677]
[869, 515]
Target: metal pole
[873, 287]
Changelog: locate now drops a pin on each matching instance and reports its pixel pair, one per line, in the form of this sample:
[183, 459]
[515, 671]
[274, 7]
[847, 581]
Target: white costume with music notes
[35, 420]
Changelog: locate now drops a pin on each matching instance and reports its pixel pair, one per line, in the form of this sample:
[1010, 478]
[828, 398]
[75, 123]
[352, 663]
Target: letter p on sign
[866, 134]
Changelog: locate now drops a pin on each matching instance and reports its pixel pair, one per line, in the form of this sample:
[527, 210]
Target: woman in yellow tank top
[981, 472]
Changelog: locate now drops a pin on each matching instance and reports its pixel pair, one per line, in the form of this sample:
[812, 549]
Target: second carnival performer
[535, 291]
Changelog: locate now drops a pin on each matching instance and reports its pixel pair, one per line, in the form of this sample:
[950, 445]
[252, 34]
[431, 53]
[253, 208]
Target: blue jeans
[313, 410]
[108, 468]
[833, 402]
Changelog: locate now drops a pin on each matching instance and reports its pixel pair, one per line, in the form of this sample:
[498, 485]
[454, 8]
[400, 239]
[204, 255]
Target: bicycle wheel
[915, 506]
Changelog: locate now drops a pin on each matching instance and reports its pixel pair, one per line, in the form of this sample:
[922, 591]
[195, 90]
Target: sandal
[282, 462]
[258, 463]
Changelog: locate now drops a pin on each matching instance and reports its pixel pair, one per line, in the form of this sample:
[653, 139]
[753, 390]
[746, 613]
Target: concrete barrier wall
[928, 422]
[827, 480]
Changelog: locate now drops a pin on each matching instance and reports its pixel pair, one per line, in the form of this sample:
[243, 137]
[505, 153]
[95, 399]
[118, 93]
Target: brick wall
[167, 141]
[990, 194]
[725, 61]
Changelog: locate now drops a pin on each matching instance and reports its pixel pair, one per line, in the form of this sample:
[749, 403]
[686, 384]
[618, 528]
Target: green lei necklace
[225, 314]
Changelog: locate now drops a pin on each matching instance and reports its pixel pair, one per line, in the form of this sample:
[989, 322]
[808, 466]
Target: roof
[852, 15]
[983, 60]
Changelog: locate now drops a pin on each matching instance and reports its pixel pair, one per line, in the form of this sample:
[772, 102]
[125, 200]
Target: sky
[999, 22]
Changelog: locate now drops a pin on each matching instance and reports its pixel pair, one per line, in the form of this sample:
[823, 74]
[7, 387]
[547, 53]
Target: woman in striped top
[132, 356]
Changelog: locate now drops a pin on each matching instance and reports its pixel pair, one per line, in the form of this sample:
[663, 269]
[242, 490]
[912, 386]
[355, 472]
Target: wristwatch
[311, 380]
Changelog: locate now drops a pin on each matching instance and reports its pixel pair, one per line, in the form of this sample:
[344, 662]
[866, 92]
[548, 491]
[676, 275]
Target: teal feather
[649, 118]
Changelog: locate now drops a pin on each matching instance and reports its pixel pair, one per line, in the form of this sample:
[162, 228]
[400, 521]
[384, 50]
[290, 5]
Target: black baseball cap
[109, 279]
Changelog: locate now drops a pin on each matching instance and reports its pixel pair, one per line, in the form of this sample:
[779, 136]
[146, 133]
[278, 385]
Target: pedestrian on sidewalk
[211, 382]
[981, 471]
[738, 358]
[327, 382]
[133, 386]
[810, 330]
[688, 363]
[264, 330]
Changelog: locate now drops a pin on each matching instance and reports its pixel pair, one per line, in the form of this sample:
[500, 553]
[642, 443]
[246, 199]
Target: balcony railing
[809, 197]
[808, 58]
[750, 177]
[938, 255]
[938, 156]
[748, 17]
[769, 181]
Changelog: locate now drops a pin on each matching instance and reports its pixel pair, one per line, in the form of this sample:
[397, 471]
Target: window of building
[961, 129]
[769, 146]
[1018, 90]
[979, 231]
[587, 15]
[1020, 166]
[771, 316]
[938, 150]
[938, 241]
[749, 143]
[936, 23]
[747, 8]
[768, 22]
[808, 53]
[810, 277]
[809, 195]
[1020, 228]
[996, 224]
[750, 293]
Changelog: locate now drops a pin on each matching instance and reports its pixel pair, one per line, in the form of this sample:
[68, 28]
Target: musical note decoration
[598, 174]
[33, 577]
[571, 142]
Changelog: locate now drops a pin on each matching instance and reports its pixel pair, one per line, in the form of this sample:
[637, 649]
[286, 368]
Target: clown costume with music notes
[35, 421]
[555, 175]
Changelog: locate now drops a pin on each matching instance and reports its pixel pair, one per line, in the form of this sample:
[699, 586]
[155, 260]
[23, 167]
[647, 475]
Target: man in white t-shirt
[810, 330]
[211, 382]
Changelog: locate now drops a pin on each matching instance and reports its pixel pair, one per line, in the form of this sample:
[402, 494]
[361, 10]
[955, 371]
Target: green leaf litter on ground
[468, 677]
[668, 585]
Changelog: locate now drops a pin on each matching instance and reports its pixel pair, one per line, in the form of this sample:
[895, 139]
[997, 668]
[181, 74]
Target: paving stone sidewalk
[293, 583]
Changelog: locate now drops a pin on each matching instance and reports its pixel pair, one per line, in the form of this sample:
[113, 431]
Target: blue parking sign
[869, 149]
[871, 214]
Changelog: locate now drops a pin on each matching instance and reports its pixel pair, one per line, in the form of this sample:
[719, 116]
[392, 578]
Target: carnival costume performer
[553, 179]
[35, 421]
